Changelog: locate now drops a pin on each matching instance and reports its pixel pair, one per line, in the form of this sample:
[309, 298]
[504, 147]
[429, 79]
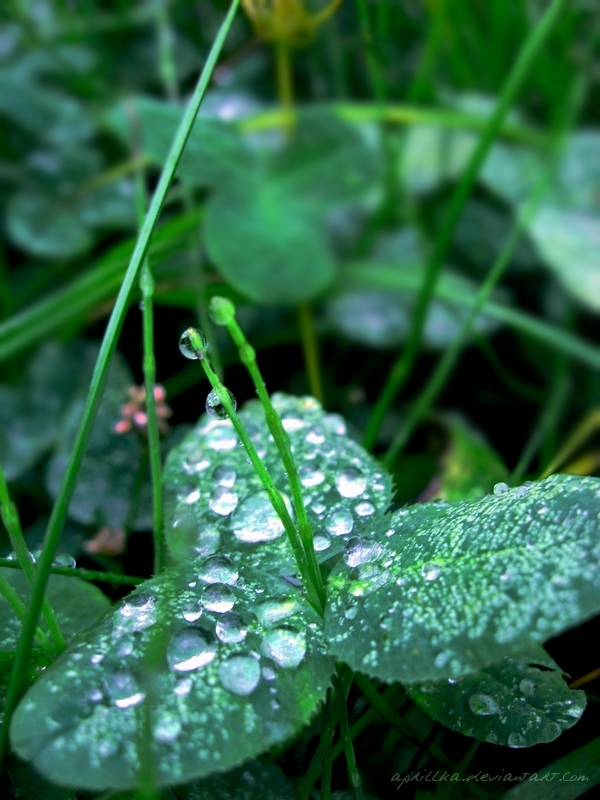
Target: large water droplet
[138, 612]
[167, 727]
[240, 674]
[272, 611]
[223, 501]
[350, 482]
[255, 519]
[321, 543]
[218, 597]
[527, 687]
[365, 509]
[501, 488]
[516, 740]
[64, 560]
[218, 569]
[431, 571]
[225, 476]
[360, 551]
[310, 476]
[339, 522]
[192, 610]
[315, 436]
[230, 628]
[483, 704]
[186, 347]
[190, 649]
[214, 407]
[123, 689]
[285, 645]
[221, 436]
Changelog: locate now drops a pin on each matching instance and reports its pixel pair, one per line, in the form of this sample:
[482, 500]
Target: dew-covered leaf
[442, 590]
[470, 466]
[215, 153]
[215, 661]
[254, 780]
[269, 244]
[214, 500]
[77, 605]
[518, 702]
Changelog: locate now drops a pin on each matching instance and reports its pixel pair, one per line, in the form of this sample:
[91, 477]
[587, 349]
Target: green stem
[85, 574]
[109, 342]
[403, 366]
[274, 494]
[12, 523]
[20, 609]
[280, 437]
[353, 773]
[310, 346]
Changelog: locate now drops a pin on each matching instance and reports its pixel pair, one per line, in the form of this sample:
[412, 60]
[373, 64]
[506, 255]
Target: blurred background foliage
[312, 191]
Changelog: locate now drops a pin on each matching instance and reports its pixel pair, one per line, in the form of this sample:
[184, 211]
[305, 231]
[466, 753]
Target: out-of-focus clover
[134, 414]
[287, 21]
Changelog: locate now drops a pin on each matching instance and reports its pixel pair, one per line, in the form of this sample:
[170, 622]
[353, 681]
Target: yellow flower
[286, 21]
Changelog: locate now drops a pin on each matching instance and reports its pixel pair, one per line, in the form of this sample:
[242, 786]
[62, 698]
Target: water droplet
[318, 507]
[191, 498]
[518, 492]
[350, 482]
[138, 611]
[321, 543]
[221, 435]
[230, 628]
[285, 645]
[186, 347]
[292, 424]
[190, 649]
[240, 674]
[334, 423]
[527, 687]
[223, 501]
[351, 612]
[431, 571]
[215, 409]
[225, 476]
[517, 740]
[168, 727]
[359, 551]
[218, 598]
[269, 674]
[272, 611]
[64, 560]
[339, 522]
[123, 689]
[183, 687]
[483, 704]
[255, 519]
[315, 436]
[310, 476]
[192, 610]
[218, 569]
[365, 509]
[501, 488]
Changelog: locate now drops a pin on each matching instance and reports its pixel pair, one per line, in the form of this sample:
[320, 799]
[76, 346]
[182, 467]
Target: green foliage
[254, 780]
[447, 589]
[517, 702]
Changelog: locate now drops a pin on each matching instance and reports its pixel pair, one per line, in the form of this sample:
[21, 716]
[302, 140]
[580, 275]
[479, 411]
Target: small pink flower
[134, 414]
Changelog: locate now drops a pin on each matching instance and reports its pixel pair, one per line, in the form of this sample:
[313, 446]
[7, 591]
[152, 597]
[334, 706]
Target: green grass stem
[114, 578]
[403, 366]
[109, 343]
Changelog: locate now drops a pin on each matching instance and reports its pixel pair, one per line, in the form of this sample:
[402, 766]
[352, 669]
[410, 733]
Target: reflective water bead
[123, 689]
[501, 488]
[350, 482]
[190, 649]
[483, 704]
[231, 629]
[64, 560]
[269, 674]
[315, 436]
[183, 687]
[364, 509]
[272, 611]
[225, 476]
[186, 347]
[321, 543]
[240, 674]
[285, 645]
[516, 740]
[138, 611]
[255, 519]
[218, 598]
[214, 407]
[334, 423]
[167, 727]
[310, 476]
[527, 687]
[223, 501]
[192, 610]
[359, 551]
[292, 424]
[431, 571]
[318, 508]
[339, 522]
[218, 569]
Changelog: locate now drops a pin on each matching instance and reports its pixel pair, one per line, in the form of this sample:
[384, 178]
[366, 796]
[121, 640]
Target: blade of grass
[85, 574]
[109, 343]
[345, 737]
[403, 366]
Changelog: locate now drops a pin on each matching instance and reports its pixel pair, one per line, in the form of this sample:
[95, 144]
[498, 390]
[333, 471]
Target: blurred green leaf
[512, 703]
[254, 780]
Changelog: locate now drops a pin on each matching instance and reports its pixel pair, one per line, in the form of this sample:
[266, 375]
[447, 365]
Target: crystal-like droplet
[350, 482]
[285, 645]
[186, 347]
[231, 629]
[214, 407]
[190, 649]
[240, 674]
[64, 560]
